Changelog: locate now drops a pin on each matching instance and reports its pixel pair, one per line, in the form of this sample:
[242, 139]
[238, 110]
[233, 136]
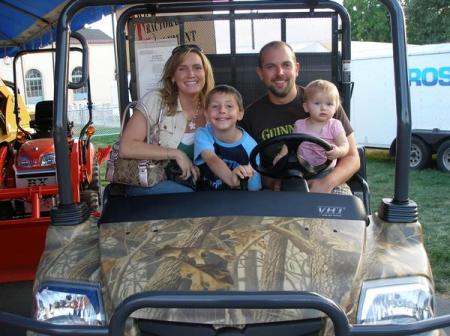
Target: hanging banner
[150, 57]
[160, 27]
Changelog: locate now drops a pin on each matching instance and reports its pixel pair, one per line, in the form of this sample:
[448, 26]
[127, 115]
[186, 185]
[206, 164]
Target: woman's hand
[188, 169]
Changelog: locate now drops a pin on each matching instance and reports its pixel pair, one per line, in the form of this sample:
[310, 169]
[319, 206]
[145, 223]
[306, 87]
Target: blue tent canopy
[31, 24]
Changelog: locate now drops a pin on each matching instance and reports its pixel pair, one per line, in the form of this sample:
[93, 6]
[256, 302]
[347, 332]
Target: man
[275, 114]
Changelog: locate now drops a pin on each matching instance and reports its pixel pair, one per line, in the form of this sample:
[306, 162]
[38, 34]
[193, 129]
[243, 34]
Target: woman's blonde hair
[169, 90]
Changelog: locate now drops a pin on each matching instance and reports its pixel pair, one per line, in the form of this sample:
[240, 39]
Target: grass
[429, 188]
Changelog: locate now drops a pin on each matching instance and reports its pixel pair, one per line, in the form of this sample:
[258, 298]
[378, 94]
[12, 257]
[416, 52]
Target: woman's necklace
[192, 125]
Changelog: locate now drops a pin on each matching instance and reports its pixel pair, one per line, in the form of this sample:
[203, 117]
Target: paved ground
[16, 298]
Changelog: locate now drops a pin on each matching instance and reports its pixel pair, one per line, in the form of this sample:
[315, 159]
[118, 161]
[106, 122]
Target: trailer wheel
[420, 155]
[443, 157]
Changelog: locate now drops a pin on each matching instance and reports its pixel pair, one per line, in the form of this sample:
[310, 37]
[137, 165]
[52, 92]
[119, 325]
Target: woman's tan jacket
[171, 127]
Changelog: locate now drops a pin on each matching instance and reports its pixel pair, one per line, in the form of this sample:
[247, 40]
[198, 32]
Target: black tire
[443, 157]
[91, 198]
[96, 184]
[6, 210]
[393, 148]
[420, 155]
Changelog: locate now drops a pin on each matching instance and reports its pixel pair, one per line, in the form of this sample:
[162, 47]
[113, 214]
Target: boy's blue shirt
[233, 154]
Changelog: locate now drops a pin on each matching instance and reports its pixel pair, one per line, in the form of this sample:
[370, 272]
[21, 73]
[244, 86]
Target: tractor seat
[43, 119]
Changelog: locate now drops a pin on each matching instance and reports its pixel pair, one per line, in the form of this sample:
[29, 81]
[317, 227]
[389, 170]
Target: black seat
[240, 71]
[43, 119]
[358, 182]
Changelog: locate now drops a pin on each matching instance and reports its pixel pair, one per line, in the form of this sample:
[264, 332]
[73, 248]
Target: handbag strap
[131, 105]
[157, 127]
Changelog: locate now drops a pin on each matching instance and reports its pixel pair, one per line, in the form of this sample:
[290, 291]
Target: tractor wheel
[91, 198]
[96, 182]
[443, 157]
[420, 155]
[6, 210]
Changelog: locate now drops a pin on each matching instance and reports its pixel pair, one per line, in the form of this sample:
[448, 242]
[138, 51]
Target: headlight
[72, 304]
[396, 301]
[48, 159]
[23, 161]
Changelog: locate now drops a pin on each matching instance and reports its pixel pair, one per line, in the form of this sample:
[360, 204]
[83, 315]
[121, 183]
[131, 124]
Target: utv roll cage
[399, 208]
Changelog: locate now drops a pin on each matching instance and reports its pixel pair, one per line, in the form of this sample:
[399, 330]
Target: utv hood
[239, 253]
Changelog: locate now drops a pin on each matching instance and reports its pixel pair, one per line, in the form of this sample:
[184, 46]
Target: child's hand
[242, 172]
[281, 153]
[334, 153]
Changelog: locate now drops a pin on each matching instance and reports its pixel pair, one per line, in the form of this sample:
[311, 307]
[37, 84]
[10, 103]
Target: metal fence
[106, 118]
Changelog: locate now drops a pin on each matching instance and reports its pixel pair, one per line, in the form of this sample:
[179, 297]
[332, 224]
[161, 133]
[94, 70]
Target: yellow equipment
[8, 124]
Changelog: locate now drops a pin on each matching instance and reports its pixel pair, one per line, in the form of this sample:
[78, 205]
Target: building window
[81, 93]
[33, 86]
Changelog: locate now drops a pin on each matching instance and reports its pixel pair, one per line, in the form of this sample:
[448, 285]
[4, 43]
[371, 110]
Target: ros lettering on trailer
[429, 76]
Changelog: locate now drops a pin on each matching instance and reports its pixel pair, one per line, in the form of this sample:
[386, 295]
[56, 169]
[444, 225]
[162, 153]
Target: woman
[187, 78]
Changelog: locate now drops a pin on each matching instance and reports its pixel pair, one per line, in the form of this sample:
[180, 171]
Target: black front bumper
[242, 300]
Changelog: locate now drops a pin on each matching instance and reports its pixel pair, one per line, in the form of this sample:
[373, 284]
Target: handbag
[136, 172]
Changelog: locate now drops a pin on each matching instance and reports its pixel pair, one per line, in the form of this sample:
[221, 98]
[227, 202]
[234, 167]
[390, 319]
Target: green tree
[370, 20]
[427, 21]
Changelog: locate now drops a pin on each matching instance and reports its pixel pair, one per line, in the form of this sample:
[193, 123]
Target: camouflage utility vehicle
[235, 262]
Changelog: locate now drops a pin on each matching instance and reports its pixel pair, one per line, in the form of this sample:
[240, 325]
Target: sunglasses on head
[184, 47]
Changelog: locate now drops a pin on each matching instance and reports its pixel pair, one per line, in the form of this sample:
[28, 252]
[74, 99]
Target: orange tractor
[28, 179]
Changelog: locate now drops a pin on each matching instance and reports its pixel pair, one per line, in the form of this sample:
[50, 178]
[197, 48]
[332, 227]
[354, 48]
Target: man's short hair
[274, 44]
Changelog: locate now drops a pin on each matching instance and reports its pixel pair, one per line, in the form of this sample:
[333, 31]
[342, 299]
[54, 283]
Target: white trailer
[373, 95]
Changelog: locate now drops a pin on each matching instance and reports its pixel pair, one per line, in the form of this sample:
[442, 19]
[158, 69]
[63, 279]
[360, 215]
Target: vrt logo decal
[331, 211]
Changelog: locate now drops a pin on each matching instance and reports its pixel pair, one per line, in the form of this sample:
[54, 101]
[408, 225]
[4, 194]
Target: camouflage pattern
[67, 246]
[330, 257]
[72, 254]
[229, 253]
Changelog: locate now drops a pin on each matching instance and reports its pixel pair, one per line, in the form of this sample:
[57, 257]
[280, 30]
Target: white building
[36, 72]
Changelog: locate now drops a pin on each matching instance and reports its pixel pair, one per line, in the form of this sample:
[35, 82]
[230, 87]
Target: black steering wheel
[290, 165]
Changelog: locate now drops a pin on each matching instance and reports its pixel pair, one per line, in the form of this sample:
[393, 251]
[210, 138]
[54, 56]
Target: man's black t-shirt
[264, 120]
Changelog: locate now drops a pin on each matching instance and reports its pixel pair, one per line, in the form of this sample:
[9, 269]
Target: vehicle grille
[293, 328]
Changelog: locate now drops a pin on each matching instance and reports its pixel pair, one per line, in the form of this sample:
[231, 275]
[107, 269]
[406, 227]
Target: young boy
[221, 148]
